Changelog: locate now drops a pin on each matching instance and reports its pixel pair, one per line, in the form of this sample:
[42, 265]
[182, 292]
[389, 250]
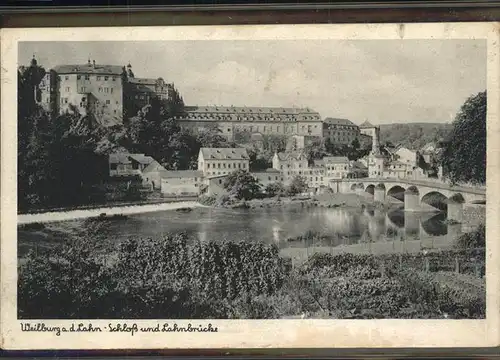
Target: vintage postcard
[250, 186]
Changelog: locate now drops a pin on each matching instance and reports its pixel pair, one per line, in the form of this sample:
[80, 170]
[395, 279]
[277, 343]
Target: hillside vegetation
[413, 135]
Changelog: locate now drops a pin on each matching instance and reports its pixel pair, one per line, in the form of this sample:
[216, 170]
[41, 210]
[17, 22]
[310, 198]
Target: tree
[275, 189]
[464, 150]
[297, 186]
[211, 136]
[242, 185]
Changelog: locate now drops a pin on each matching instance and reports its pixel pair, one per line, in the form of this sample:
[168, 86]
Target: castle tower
[376, 140]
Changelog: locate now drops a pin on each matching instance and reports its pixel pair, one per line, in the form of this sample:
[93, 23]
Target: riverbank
[328, 200]
[253, 282]
[55, 216]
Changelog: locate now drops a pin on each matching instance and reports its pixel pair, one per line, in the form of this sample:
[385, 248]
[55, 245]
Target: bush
[149, 278]
[474, 239]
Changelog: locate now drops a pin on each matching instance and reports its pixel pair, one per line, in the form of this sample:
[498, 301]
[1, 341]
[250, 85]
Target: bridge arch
[354, 186]
[436, 200]
[397, 192]
[370, 189]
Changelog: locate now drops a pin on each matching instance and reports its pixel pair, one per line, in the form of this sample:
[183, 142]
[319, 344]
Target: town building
[340, 131]
[123, 164]
[181, 182]
[291, 163]
[151, 175]
[268, 176]
[214, 185]
[263, 120]
[336, 167]
[369, 129]
[222, 161]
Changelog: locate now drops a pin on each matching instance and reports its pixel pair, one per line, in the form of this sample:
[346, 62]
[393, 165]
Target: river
[327, 228]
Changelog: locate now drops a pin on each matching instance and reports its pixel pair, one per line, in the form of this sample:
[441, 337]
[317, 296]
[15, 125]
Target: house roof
[89, 69]
[154, 166]
[335, 159]
[292, 155]
[366, 124]
[224, 153]
[264, 114]
[358, 165]
[334, 121]
[146, 81]
[166, 174]
[124, 158]
[267, 171]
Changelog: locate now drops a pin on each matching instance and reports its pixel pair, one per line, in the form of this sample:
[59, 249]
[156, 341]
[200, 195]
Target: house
[406, 156]
[123, 164]
[290, 163]
[376, 163]
[222, 161]
[337, 167]
[267, 177]
[214, 185]
[151, 175]
[181, 182]
[398, 170]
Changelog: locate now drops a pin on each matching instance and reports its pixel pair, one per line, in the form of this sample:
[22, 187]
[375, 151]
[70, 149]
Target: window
[98, 78]
[239, 166]
[117, 103]
[87, 77]
[66, 78]
[106, 90]
[108, 102]
[65, 100]
[114, 78]
[100, 89]
[113, 166]
[83, 89]
[269, 178]
[78, 77]
[67, 89]
[218, 166]
[224, 165]
[208, 166]
[106, 78]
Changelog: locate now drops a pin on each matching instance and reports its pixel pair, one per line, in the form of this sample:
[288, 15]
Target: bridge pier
[412, 199]
[379, 195]
[456, 208]
[360, 190]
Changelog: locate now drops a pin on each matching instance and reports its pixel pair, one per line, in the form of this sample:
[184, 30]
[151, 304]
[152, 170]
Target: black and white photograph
[270, 179]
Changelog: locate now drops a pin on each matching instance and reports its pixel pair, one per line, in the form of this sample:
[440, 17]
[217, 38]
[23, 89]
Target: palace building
[99, 89]
[263, 120]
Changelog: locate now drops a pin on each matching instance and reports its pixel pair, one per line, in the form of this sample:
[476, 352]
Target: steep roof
[166, 174]
[335, 159]
[224, 153]
[89, 69]
[123, 158]
[366, 124]
[334, 121]
[265, 114]
[146, 81]
[154, 166]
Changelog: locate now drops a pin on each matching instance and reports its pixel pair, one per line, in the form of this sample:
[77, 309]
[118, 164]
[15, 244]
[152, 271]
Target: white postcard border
[252, 333]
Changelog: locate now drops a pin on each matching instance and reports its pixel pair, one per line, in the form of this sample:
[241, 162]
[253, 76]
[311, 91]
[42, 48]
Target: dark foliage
[464, 155]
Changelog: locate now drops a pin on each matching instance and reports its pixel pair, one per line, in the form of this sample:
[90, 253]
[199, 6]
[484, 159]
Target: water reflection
[291, 228]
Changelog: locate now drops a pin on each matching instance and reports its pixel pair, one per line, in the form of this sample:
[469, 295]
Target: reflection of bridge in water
[396, 231]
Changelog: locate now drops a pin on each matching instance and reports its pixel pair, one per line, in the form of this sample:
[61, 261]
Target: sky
[382, 81]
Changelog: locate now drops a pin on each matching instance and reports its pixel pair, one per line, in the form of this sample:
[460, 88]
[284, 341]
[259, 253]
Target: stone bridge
[416, 195]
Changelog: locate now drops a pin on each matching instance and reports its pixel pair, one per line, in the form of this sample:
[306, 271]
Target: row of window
[240, 165]
[87, 77]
